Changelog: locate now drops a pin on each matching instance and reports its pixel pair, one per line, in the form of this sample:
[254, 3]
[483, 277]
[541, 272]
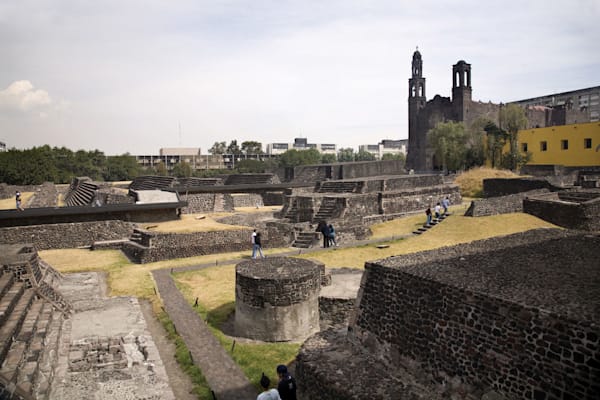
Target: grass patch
[193, 223]
[182, 355]
[471, 181]
[456, 229]
[215, 289]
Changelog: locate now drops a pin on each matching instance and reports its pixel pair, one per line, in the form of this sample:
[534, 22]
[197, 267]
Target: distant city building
[579, 106]
[170, 157]
[300, 144]
[386, 146]
[2, 146]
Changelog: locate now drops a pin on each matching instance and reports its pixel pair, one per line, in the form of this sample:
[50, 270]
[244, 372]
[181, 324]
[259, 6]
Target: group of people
[445, 203]
[256, 245]
[286, 388]
[328, 232]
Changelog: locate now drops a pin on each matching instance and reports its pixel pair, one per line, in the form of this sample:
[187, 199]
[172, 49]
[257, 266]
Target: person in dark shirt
[287, 384]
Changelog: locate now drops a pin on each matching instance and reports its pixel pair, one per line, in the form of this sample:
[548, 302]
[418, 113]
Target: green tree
[121, 168]
[496, 139]
[398, 156]
[160, 169]
[345, 155]
[182, 170]
[218, 148]
[250, 166]
[448, 140]
[293, 157]
[475, 142]
[328, 158]
[233, 148]
[364, 155]
[252, 147]
[512, 119]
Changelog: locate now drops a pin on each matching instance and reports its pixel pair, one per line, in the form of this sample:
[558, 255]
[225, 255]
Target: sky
[139, 75]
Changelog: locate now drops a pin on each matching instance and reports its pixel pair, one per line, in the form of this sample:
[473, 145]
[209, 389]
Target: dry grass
[455, 230]
[471, 181]
[193, 223]
[9, 204]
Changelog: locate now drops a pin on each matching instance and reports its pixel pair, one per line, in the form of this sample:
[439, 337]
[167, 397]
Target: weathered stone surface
[277, 298]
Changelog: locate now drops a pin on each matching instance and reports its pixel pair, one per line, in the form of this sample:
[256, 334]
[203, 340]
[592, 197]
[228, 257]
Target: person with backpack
[287, 384]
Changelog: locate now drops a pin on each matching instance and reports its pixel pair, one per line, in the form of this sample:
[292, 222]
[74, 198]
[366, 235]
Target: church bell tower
[416, 101]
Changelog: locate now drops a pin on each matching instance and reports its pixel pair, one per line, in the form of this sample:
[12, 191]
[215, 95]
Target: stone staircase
[326, 210]
[434, 222]
[81, 192]
[249, 179]
[304, 240]
[31, 320]
[339, 187]
[292, 212]
[151, 182]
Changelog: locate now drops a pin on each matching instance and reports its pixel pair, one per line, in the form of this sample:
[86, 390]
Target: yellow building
[576, 145]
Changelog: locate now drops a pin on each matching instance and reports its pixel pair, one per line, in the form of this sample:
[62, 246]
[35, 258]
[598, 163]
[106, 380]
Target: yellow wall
[575, 155]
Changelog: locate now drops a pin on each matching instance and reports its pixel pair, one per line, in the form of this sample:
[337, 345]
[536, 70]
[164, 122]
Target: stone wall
[511, 203]
[247, 200]
[207, 202]
[572, 215]
[68, 235]
[503, 186]
[417, 199]
[496, 314]
[165, 246]
[276, 299]
[371, 168]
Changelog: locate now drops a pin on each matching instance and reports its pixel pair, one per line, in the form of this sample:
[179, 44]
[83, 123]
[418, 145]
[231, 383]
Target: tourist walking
[257, 246]
[437, 209]
[324, 229]
[267, 394]
[332, 235]
[446, 204]
[287, 384]
[18, 200]
[428, 213]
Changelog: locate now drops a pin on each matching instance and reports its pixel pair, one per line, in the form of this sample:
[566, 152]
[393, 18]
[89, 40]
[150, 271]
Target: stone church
[578, 106]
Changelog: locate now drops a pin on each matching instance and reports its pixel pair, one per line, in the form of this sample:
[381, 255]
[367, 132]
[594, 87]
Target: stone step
[13, 324]
[10, 300]
[48, 358]
[110, 244]
[6, 282]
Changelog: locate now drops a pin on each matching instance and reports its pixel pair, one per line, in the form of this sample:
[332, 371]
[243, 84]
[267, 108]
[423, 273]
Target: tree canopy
[293, 157]
[448, 140]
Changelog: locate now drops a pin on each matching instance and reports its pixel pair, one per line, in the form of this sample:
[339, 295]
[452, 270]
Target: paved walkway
[224, 376]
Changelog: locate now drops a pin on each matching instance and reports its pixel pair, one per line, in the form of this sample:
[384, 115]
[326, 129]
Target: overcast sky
[134, 76]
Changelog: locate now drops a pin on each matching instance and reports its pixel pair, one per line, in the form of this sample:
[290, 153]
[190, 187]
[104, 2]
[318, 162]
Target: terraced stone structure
[277, 299]
[570, 209]
[31, 318]
[510, 317]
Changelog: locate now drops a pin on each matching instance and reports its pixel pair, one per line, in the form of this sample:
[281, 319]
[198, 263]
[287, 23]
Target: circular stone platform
[277, 299]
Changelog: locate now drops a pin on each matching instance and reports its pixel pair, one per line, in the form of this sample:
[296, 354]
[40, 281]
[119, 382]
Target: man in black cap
[287, 384]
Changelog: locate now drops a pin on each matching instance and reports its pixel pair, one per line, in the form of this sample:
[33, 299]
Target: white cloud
[22, 96]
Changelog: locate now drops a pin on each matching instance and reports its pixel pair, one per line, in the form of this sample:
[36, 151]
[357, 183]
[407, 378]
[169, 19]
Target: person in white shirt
[267, 394]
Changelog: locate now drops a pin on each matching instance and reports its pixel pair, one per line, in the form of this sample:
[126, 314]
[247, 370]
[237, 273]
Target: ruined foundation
[277, 299]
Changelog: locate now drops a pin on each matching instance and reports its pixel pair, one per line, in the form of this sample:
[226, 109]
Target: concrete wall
[70, 235]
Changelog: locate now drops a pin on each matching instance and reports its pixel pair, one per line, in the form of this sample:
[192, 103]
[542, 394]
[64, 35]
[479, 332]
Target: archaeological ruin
[503, 318]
